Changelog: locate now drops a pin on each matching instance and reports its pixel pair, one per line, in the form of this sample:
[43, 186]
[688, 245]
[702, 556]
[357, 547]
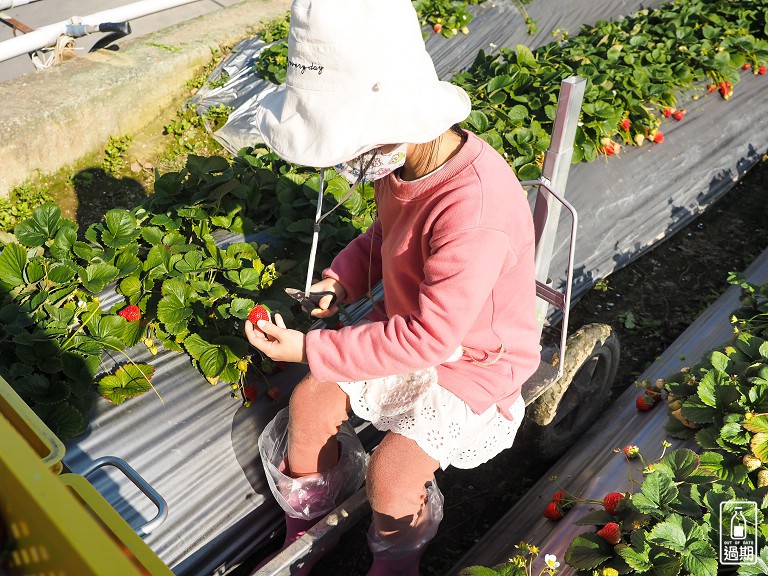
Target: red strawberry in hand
[130, 313]
[611, 533]
[552, 511]
[611, 501]
[258, 313]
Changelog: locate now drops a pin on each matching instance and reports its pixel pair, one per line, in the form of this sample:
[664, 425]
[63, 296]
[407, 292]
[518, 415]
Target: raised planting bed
[597, 464]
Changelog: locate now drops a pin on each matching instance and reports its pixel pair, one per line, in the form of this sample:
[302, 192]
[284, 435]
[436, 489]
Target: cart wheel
[555, 420]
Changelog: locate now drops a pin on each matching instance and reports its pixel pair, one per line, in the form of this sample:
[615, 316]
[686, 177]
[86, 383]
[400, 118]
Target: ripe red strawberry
[644, 403]
[258, 313]
[761, 70]
[658, 138]
[625, 124]
[631, 451]
[558, 496]
[678, 115]
[273, 392]
[667, 112]
[611, 501]
[437, 28]
[607, 150]
[249, 392]
[130, 313]
[611, 533]
[711, 88]
[746, 66]
[552, 511]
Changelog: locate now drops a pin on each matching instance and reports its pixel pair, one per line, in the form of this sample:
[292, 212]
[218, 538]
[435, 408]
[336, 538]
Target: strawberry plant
[673, 524]
[179, 288]
[521, 564]
[635, 68]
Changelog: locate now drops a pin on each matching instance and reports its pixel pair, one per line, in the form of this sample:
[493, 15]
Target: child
[441, 368]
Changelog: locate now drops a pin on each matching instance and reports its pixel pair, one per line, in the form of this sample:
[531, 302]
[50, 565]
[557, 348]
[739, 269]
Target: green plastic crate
[44, 442]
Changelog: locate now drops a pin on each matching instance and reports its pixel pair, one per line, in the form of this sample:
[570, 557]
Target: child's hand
[327, 285]
[277, 341]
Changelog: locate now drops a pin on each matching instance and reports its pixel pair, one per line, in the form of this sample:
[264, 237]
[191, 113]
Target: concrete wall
[53, 118]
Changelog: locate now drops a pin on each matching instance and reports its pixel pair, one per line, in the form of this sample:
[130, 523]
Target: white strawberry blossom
[551, 561]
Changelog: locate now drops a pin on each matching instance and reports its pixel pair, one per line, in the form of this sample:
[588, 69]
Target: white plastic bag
[311, 496]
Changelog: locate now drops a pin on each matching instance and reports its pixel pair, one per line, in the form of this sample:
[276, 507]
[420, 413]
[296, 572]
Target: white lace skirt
[444, 426]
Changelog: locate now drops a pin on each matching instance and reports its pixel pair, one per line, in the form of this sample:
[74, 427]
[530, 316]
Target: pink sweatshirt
[457, 264]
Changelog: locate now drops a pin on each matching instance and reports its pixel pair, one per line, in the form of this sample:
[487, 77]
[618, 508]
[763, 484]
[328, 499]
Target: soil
[649, 303]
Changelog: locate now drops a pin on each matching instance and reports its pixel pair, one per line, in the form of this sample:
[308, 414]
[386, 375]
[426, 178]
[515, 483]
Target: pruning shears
[310, 300]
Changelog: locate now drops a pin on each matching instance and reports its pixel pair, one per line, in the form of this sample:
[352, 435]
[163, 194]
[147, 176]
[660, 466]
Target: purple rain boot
[400, 555]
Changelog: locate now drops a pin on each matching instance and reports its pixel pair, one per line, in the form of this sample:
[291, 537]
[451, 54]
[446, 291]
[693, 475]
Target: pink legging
[398, 468]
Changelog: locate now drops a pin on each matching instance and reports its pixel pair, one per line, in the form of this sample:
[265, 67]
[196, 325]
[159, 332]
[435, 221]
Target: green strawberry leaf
[669, 534]
[61, 273]
[759, 446]
[152, 234]
[638, 561]
[720, 361]
[588, 551]
[213, 361]
[680, 463]
[40, 389]
[13, 260]
[174, 309]
[128, 381]
[760, 567]
[665, 564]
[63, 242]
[240, 307]
[121, 228]
[695, 410]
[41, 226]
[758, 423]
[657, 492]
[700, 559]
[478, 571]
[724, 468]
[96, 276]
[130, 287]
[64, 419]
[195, 346]
[716, 391]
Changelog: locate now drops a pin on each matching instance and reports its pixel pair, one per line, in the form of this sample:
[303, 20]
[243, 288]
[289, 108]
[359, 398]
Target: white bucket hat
[359, 76]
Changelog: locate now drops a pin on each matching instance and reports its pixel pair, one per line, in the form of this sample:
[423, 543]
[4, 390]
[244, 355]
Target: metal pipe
[78, 26]
[14, 3]
[557, 163]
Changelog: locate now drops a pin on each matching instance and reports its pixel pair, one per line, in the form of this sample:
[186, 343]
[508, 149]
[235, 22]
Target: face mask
[372, 165]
